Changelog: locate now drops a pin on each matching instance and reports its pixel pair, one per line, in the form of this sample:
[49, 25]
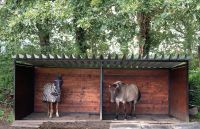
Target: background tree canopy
[97, 27]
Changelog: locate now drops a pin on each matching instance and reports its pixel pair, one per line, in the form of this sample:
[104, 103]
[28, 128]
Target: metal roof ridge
[105, 57]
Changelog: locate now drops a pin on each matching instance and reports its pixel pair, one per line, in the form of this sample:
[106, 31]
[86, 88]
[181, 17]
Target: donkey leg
[57, 115]
[117, 110]
[134, 109]
[125, 115]
[51, 110]
[48, 109]
[131, 107]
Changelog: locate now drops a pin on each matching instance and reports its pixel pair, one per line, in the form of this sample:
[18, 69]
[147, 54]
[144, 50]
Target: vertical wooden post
[179, 100]
[101, 90]
[14, 75]
[187, 90]
[169, 90]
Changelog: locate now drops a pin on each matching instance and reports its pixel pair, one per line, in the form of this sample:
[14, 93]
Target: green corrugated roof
[109, 61]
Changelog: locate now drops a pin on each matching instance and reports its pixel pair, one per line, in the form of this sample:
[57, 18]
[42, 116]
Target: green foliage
[179, 25]
[1, 114]
[28, 20]
[6, 72]
[109, 27]
[194, 83]
[102, 21]
[173, 24]
[194, 64]
[6, 115]
[6, 80]
[10, 117]
[195, 118]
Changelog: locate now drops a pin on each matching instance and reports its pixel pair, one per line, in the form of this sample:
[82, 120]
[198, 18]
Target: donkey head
[114, 90]
[58, 82]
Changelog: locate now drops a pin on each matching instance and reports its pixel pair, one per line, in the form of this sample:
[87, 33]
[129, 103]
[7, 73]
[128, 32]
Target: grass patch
[6, 115]
[10, 117]
[195, 117]
[1, 114]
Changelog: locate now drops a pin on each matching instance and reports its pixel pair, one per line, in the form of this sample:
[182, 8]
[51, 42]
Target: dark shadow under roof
[116, 61]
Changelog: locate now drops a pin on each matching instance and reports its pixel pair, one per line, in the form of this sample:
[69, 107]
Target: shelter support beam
[179, 93]
[101, 90]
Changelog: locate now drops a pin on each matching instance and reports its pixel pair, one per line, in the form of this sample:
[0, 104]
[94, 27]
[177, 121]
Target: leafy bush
[6, 80]
[194, 83]
[195, 118]
[6, 115]
[194, 63]
[198, 115]
[1, 114]
[6, 97]
[10, 117]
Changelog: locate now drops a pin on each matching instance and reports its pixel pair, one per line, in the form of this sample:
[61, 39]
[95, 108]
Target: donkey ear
[118, 85]
[123, 83]
[119, 82]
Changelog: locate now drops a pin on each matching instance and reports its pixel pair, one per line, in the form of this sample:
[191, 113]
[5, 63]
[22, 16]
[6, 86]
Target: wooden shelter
[162, 80]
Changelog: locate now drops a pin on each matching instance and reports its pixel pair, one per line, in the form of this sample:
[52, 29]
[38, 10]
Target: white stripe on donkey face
[125, 93]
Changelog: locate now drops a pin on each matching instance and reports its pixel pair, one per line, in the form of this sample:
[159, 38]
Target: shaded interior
[164, 91]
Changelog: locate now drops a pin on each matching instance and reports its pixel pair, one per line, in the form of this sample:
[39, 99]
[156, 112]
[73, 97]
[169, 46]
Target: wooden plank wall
[179, 94]
[80, 90]
[153, 85]
[24, 87]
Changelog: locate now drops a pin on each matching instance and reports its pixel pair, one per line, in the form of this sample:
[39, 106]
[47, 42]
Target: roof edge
[177, 57]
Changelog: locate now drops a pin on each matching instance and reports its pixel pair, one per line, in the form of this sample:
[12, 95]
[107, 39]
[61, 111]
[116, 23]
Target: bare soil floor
[109, 118]
[63, 116]
[88, 121]
[77, 125]
[5, 125]
[109, 125]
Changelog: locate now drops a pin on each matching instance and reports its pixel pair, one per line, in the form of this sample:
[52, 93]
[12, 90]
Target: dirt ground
[84, 121]
[5, 125]
[142, 122]
[108, 125]
[76, 125]
[68, 125]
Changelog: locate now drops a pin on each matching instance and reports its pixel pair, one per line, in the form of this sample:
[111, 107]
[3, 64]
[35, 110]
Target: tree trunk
[80, 39]
[199, 54]
[44, 37]
[144, 20]
[79, 31]
[189, 32]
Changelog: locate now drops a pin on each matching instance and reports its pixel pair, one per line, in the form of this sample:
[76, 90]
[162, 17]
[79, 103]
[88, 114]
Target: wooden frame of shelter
[173, 69]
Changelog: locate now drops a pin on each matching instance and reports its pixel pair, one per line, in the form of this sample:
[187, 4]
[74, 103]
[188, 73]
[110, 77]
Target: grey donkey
[121, 92]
